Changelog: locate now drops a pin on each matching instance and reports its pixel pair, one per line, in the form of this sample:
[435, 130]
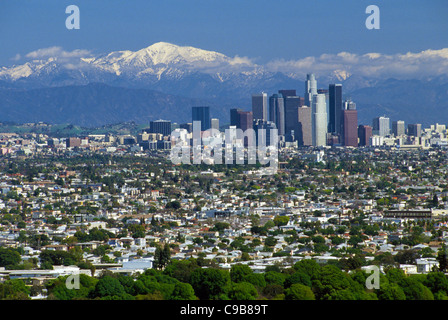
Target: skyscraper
[304, 127]
[381, 126]
[364, 134]
[415, 129]
[241, 119]
[310, 89]
[245, 120]
[260, 106]
[319, 120]
[350, 117]
[335, 108]
[202, 114]
[160, 126]
[292, 105]
[234, 117]
[214, 123]
[277, 112]
[398, 128]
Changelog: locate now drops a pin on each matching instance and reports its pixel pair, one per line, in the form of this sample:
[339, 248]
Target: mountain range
[163, 81]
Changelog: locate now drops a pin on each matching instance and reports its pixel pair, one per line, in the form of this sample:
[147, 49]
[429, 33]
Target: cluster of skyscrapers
[319, 118]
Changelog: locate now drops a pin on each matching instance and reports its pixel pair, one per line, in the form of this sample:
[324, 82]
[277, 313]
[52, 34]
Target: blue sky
[263, 30]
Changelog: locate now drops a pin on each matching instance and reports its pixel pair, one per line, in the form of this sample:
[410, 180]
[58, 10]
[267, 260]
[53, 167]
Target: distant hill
[92, 105]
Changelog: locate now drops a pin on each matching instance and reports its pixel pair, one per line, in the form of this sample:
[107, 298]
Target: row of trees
[188, 280]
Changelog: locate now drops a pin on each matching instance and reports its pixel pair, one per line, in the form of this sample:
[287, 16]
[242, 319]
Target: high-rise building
[202, 114]
[335, 108]
[364, 134]
[260, 106]
[292, 105]
[304, 127]
[214, 123]
[310, 89]
[160, 126]
[319, 120]
[241, 119]
[350, 117]
[415, 129]
[398, 128]
[381, 126]
[234, 117]
[327, 101]
[277, 112]
[245, 120]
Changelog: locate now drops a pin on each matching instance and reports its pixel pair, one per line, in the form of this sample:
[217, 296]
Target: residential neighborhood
[105, 206]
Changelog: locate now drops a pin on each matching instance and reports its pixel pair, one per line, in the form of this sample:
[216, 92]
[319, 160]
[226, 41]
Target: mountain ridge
[178, 76]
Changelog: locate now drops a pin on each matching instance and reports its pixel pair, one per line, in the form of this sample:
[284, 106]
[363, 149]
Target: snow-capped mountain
[83, 88]
[160, 61]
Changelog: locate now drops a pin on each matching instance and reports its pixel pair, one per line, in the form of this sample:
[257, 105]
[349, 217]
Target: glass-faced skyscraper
[381, 126]
[202, 114]
[335, 109]
[260, 106]
[310, 89]
[277, 112]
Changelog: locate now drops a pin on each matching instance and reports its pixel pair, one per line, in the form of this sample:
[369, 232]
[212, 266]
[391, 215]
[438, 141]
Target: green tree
[183, 291]
[239, 272]
[390, 291]
[442, 258]
[162, 256]
[437, 282]
[9, 258]
[299, 292]
[242, 291]
[109, 287]
[210, 283]
[281, 221]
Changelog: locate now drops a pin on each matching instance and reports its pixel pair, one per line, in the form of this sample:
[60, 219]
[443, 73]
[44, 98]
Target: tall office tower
[381, 126]
[326, 92]
[277, 112]
[245, 120]
[292, 105]
[214, 123]
[364, 134]
[260, 106]
[234, 117]
[415, 129]
[202, 114]
[304, 128]
[350, 117]
[310, 89]
[398, 128]
[160, 126]
[335, 108]
[319, 121]
[241, 119]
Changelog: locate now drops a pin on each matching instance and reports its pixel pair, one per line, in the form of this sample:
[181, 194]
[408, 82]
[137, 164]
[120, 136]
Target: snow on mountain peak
[158, 59]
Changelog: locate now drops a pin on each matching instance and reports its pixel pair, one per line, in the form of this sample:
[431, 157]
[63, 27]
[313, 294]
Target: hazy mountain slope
[92, 105]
